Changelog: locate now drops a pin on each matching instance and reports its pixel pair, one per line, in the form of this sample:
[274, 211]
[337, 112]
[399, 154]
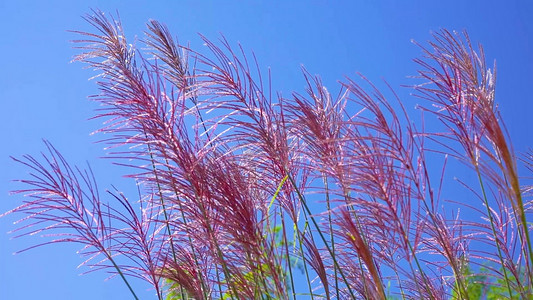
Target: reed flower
[243, 192]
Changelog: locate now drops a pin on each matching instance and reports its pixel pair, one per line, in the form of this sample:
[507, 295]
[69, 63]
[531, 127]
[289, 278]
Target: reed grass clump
[245, 194]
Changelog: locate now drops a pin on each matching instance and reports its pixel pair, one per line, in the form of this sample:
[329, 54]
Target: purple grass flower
[242, 193]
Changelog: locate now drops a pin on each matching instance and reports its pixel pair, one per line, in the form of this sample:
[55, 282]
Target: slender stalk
[286, 244]
[455, 269]
[219, 252]
[253, 270]
[493, 228]
[315, 224]
[108, 255]
[165, 214]
[515, 186]
[525, 229]
[284, 241]
[300, 243]
[370, 265]
[328, 207]
[189, 238]
[160, 192]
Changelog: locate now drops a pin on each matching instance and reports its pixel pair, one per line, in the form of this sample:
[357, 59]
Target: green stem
[167, 223]
[218, 250]
[121, 274]
[371, 266]
[328, 206]
[315, 224]
[300, 242]
[493, 228]
[160, 192]
[286, 244]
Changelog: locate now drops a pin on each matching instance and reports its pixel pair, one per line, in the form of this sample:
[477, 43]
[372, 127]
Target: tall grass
[244, 194]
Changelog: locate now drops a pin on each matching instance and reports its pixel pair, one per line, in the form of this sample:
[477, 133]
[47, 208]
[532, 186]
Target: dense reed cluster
[245, 194]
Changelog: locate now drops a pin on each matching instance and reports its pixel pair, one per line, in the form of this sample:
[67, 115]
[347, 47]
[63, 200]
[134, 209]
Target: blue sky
[44, 96]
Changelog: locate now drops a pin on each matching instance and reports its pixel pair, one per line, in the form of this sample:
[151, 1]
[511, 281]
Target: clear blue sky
[44, 96]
